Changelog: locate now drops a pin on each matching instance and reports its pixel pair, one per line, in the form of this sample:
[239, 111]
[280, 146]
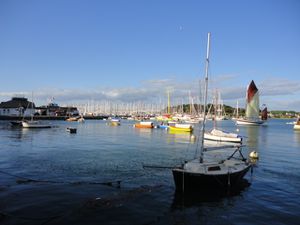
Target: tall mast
[169, 105]
[205, 98]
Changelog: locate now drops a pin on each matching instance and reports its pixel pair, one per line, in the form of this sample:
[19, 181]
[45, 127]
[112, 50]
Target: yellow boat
[115, 122]
[181, 128]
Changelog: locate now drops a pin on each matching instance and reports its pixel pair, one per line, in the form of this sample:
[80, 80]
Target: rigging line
[29, 180]
[197, 147]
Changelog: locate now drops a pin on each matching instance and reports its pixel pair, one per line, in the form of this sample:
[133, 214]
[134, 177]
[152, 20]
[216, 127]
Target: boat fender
[253, 155]
[193, 137]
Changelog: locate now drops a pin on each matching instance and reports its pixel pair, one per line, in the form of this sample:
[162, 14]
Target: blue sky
[135, 50]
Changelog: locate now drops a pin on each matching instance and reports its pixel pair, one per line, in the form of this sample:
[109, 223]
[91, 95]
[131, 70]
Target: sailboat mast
[168, 111]
[237, 109]
[205, 98]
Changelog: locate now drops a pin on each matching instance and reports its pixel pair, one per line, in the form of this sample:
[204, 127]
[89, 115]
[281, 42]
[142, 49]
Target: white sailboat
[210, 173]
[222, 136]
[236, 111]
[34, 123]
[252, 107]
[216, 134]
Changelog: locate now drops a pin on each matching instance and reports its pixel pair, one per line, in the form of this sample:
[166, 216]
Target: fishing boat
[181, 127]
[143, 124]
[252, 108]
[209, 172]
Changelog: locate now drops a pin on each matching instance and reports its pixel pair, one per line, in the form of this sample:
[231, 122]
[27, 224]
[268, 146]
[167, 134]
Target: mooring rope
[24, 180]
[46, 220]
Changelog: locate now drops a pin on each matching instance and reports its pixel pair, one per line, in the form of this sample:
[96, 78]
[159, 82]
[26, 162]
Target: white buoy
[193, 137]
[237, 129]
[253, 155]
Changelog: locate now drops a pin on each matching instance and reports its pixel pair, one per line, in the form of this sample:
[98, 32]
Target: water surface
[49, 176]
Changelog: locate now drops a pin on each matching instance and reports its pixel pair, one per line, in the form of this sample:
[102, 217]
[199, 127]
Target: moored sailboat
[34, 124]
[210, 173]
[222, 136]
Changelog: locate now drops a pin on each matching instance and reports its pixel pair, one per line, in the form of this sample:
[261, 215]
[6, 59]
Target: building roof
[17, 102]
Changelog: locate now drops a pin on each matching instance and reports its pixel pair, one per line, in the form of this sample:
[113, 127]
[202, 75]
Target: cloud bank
[276, 93]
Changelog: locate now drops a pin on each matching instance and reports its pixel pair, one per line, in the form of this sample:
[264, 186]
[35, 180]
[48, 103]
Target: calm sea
[49, 176]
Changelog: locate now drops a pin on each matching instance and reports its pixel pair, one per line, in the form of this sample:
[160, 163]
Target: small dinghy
[72, 130]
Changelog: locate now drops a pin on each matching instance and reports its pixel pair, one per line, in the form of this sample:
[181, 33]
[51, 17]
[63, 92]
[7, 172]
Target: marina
[98, 176]
[149, 112]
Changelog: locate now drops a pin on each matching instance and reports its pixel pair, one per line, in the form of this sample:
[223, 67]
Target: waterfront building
[17, 106]
[53, 109]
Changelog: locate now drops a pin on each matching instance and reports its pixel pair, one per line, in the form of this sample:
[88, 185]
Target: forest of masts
[193, 107]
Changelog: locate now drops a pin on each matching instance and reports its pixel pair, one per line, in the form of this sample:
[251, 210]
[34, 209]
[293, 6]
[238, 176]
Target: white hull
[249, 122]
[212, 137]
[34, 124]
[297, 127]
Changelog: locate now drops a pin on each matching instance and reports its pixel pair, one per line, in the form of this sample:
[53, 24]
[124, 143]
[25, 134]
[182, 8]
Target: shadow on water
[198, 197]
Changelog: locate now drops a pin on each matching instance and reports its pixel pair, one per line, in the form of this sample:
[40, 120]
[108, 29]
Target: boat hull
[143, 126]
[185, 181]
[297, 127]
[173, 128]
[211, 137]
[34, 125]
[249, 122]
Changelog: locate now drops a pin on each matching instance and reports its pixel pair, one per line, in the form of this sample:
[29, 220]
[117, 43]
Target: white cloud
[154, 91]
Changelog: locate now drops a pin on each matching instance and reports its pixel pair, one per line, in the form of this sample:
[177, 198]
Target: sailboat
[210, 173]
[252, 108]
[34, 123]
[217, 134]
[236, 112]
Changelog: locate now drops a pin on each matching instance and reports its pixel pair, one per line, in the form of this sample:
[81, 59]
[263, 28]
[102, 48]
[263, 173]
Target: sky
[77, 51]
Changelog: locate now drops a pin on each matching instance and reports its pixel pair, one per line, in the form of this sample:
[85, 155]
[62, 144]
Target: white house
[17, 106]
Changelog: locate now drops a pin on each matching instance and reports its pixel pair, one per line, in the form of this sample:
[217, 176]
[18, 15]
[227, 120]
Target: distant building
[52, 109]
[17, 106]
[20, 106]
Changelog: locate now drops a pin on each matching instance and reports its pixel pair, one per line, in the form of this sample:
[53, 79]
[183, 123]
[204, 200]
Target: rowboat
[144, 125]
[181, 127]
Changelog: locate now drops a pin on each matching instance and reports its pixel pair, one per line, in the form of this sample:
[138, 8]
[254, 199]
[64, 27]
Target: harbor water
[99, 175]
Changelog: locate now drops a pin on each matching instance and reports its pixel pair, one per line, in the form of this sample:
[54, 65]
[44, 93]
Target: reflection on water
[297, 136]
[196, 198]
[73, 164]
[175, 136]
[252, 133]
[145, 132]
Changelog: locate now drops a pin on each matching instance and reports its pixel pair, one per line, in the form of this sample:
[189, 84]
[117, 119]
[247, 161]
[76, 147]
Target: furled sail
[252, 107]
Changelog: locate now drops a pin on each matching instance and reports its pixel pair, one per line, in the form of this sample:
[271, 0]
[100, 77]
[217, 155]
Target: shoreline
[19, 118]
